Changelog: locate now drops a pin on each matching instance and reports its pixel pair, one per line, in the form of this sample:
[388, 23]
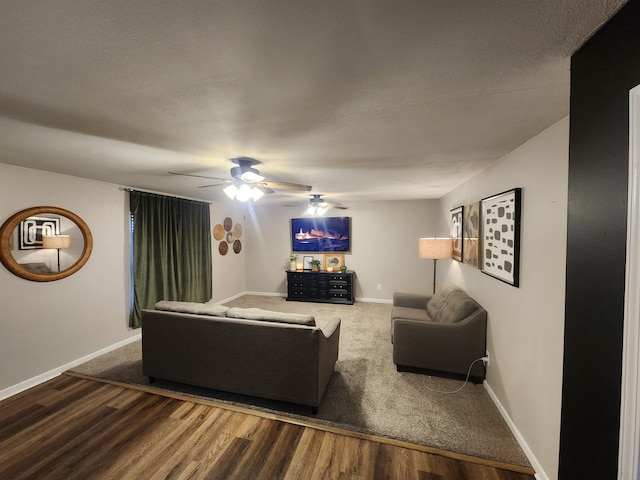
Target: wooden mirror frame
[7, 259]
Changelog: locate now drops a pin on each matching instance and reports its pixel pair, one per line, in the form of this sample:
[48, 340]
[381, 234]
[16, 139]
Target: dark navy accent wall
[602, 73]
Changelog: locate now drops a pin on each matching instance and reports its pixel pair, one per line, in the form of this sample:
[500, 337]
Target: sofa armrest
[329, 328]
[411, 300]
[327, 355]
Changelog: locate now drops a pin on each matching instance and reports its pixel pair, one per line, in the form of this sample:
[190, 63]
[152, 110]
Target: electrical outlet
[487, 359]
[379, 286]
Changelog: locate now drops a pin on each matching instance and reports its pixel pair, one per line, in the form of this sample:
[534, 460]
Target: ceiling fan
[318, 206]
[247, 182]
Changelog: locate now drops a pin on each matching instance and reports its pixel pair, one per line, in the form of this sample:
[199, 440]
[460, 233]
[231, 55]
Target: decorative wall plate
[228, 223]
[218, 232]
[223, 248]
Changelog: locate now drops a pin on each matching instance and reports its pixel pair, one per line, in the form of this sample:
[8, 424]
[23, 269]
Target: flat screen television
[321, 234]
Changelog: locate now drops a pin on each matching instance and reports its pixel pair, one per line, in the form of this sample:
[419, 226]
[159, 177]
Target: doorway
[629, 445]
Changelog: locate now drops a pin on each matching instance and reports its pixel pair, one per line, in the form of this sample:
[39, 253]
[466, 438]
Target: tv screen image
[321, 234]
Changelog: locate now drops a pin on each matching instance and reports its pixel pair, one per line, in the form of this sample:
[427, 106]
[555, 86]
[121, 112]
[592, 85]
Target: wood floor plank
[279, 458]
[73, 428]
[305, 456]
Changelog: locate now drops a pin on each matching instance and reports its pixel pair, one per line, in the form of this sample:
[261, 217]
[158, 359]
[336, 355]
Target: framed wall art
[333, 260]
[455, 232]
[471, 234]
[306, 262]
[500, 216]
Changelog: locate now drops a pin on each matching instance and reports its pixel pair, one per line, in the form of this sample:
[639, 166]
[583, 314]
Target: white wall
[384, 246]
[45, 325]
[526, 324]
[229, 269]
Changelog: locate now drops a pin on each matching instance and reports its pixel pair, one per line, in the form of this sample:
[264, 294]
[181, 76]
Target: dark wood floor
[74, 428]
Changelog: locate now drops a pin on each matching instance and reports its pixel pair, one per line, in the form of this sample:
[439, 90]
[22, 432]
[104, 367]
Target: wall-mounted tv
[321, 234]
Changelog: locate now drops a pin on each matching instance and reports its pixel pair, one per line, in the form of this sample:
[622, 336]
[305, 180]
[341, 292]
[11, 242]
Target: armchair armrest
[411, 300]
[441, 346]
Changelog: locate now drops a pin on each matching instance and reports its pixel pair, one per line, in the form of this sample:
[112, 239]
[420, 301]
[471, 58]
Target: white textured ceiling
[363, 100]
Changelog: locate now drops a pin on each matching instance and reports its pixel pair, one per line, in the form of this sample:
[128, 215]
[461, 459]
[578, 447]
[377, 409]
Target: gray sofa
[443, 333]
[248, 351]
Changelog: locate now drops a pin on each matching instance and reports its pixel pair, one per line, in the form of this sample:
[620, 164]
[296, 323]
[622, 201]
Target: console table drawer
[320, 287]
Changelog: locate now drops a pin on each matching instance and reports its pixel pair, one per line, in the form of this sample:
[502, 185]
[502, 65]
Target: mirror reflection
[44, 243]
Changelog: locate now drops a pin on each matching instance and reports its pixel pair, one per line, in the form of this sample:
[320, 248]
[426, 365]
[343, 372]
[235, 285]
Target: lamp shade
[435, 248]
[56, 241]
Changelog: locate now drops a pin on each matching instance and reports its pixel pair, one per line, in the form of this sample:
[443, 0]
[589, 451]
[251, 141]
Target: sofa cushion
[439, 300]
[270, 316]
[192, 307]
[458, 307]
[410, 313]
[212, 309]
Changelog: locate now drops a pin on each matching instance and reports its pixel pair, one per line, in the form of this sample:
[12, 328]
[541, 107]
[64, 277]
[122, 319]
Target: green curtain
[171, 251]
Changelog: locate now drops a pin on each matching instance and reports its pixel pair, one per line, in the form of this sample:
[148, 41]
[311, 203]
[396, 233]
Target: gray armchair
[442, 333]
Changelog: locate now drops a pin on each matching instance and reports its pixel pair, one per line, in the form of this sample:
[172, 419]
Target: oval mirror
[44, 243]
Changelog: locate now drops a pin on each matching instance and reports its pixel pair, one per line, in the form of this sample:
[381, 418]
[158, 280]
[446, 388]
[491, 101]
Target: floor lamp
[56, 242]
[436, 249]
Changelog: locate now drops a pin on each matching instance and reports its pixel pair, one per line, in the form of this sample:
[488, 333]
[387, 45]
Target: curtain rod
[131, 189]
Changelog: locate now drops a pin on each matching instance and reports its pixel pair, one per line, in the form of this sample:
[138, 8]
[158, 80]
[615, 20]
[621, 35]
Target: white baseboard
[374, 300]
[43, 377]
[271, 294]
[540, 473]
[266, 294]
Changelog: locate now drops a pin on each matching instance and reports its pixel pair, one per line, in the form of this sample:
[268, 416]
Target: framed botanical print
[501, 236]
[455, 232]
[471, 234]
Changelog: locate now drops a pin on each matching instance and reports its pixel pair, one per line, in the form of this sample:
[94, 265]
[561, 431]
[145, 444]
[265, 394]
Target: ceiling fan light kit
[317, 205]
[247, 183]
[317, 209]
[243, 193]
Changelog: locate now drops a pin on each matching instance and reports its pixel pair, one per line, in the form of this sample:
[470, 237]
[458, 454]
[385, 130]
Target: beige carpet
[366, 393]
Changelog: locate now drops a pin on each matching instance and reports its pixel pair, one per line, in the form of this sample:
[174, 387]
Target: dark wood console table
[322, 286]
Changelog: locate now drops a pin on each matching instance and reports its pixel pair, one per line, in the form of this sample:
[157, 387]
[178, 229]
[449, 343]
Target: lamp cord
[463, 385]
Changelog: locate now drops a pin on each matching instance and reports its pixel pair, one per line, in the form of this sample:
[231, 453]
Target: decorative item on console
[333, 261]
[315, 265]
[306, 262]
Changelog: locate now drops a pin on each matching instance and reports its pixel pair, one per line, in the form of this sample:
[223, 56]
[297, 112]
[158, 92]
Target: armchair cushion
[458, 307]
[439, 300]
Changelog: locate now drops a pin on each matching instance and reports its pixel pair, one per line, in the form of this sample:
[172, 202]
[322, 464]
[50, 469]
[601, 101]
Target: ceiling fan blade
[212, 185]
[287, 186]
[198, 176]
